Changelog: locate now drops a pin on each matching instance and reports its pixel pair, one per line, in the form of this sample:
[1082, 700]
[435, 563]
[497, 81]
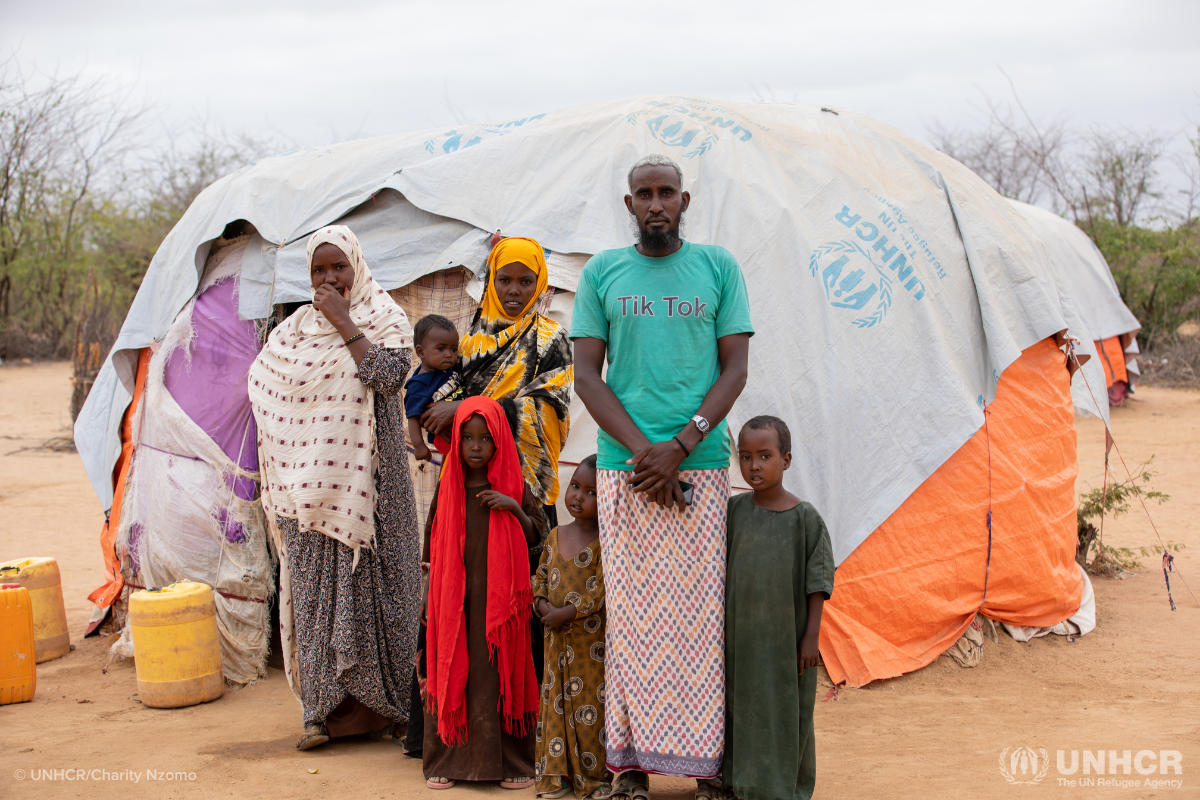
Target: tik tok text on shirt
[638, 306]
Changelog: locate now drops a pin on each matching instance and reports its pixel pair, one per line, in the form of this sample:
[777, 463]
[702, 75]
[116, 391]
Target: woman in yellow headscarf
[522, 360]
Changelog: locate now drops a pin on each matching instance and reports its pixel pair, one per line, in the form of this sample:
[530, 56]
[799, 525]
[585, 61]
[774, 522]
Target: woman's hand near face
[333, 304]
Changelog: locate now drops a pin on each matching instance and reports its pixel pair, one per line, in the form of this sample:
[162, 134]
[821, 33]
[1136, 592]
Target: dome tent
[1080, 264]
[895, 296]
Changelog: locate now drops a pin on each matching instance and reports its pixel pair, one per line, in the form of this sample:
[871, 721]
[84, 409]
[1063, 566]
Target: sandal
[561, 791]
[382, 733]
[517, 783]
[439, 783]
[630, 785]
[711, 790]
[601, 792]
[314, 736]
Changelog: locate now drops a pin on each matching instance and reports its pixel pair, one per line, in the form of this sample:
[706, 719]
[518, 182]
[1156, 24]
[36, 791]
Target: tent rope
[1111, 441]
[988, 438]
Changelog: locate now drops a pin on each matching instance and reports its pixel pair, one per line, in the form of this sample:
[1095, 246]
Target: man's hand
[333, 304]
[809, 653]
[654, 473]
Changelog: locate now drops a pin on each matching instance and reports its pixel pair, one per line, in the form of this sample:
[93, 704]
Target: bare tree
[1107, 174]
[59, 136]
[1001, 155]
[193, 158]
[1189, 164]
[1120, 174]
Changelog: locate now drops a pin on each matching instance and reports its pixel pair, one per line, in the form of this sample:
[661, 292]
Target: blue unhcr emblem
[691, 124]
[852, 280]
[455, 140]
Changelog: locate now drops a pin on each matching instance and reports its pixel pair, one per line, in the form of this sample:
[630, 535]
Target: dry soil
[936, 733]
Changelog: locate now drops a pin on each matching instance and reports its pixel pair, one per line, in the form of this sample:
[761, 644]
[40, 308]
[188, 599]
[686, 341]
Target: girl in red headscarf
[482, 694]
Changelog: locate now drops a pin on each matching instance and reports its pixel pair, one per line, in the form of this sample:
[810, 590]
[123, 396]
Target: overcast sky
[312, 72]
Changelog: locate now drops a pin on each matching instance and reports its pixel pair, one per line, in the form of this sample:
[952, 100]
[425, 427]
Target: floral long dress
[356, 627]
[570, 729]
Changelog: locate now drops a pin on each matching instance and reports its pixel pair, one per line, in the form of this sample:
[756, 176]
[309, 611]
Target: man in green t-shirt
[674, 321]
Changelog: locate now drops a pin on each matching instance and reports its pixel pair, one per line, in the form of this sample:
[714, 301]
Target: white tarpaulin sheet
[1082, 267]
[889, 286]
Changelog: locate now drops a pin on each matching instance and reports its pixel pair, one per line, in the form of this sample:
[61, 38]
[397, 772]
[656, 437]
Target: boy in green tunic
[780, 574]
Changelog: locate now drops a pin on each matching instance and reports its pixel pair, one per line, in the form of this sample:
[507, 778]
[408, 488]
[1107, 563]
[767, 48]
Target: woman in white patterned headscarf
[326, 396]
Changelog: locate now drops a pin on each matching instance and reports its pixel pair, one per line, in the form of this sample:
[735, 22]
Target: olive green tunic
[776, 559]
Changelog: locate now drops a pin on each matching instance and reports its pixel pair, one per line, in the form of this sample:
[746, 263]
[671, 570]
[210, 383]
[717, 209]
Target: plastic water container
[40, 576]
[18, 675]
[176, 646]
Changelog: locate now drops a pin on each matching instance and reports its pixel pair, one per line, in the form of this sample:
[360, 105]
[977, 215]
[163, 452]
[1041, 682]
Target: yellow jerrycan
[40, 576]
[176, 646]
[18, 675]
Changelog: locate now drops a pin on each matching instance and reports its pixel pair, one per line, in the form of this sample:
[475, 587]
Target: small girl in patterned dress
[568, 594]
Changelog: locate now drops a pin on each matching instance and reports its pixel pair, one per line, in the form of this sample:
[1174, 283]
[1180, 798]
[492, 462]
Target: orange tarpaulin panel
[1112, 358]
[114, 582]
[912, 588]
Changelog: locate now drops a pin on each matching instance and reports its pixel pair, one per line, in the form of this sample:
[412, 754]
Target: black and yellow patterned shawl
[526, 367]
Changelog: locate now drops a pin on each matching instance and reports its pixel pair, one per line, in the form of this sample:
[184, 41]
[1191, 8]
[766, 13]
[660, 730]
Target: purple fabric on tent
[211, 386]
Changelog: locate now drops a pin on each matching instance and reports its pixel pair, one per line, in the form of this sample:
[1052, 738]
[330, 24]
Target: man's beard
[661, 238]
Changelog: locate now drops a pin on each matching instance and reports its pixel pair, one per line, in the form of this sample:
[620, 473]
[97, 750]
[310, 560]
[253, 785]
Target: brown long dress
[489, 754]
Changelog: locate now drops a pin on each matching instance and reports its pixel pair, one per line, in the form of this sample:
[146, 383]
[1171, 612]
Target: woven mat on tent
[443, 292]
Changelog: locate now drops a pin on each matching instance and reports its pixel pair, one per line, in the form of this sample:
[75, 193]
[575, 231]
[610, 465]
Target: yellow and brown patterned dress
[570, 728]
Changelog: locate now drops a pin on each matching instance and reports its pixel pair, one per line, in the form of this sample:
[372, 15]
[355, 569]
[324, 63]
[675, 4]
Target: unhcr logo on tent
[862, 270]
[454, 140]
[688, 122]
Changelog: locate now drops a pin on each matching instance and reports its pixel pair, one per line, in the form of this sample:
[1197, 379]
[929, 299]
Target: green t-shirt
[661, 318]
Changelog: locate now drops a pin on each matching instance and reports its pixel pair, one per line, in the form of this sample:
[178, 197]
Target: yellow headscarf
[523, 363]
[519, 250]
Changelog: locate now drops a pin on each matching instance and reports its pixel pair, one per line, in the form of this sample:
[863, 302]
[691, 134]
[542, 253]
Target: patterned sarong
[664, 662]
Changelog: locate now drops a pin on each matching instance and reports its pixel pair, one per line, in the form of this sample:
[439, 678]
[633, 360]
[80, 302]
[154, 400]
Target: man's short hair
[655, 160]
[430, 322]
[767, 422]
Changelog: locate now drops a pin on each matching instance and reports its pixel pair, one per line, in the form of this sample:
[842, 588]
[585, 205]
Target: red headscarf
[508, 591]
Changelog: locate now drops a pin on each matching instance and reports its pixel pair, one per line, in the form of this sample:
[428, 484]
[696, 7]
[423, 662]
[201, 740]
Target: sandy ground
[1130, 685]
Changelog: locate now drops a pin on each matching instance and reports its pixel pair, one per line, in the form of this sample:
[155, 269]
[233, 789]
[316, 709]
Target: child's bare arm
[809, 653]
[417, 435]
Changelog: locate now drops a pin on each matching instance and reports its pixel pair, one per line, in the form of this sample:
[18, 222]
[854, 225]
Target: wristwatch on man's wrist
[701, 425]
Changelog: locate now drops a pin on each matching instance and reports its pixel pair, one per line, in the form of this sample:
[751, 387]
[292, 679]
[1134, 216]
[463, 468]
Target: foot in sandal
[523, 782]
[439, 783]
[631, 785]
[712, 790]
[314, 736]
